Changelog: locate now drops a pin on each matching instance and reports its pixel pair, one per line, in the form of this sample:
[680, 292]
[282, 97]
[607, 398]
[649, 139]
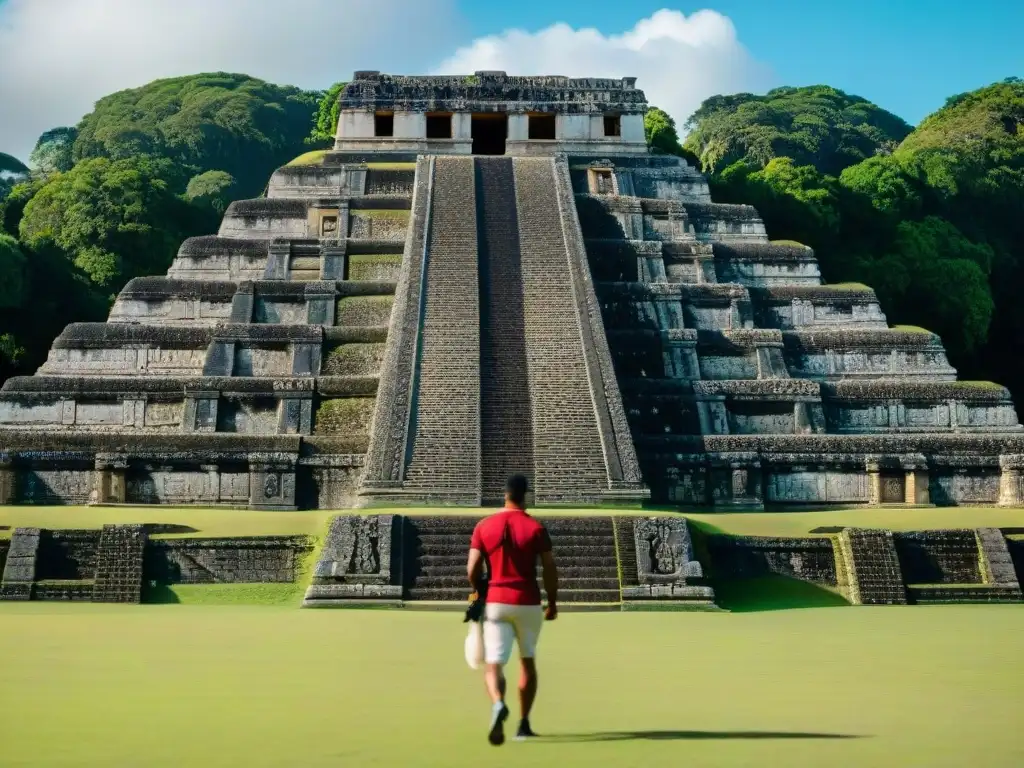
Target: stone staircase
[119, 562]
[567, 440]
[506, 429]
[875, 567]
[435, 559]
[444, 434]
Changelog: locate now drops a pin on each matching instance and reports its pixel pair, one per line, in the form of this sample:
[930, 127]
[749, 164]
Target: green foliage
[660, 131]
[113, 219]
[218, 121]
[54, 150]
[325, 119]
[12, 170]
[13, 206]
[11, 164]
[815, 125]
[214, 190]
[12, 273]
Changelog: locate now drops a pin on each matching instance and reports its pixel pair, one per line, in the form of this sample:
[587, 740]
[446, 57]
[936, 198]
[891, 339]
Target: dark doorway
[439, 126]
[489, 131]
[542, 127]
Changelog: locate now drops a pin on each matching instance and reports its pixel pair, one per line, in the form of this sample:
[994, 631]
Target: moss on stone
[344, 416]
[989, 386]
[391, 166]
[847, 287]
[315, 157]
[398, 214]
[354, 360]
[374, 266]
[792, 243]
[363, 310]
[911, 329]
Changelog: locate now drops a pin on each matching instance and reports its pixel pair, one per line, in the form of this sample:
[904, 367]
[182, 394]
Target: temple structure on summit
[491, 113]
[491, 274]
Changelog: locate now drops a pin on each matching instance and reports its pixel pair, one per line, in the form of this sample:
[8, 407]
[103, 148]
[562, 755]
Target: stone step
[459, 548]
[431, 562]
[942, 593]
[588, 581]
[586, 539]
[564, 596]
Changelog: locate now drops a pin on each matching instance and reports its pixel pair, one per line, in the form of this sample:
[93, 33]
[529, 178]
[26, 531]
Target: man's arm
[475, 569]
[547, 561]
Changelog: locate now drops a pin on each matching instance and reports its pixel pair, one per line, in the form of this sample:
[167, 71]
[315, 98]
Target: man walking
[510, 541]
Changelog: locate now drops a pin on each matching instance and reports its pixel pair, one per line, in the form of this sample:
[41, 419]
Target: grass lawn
[93, 685]
[243, 522]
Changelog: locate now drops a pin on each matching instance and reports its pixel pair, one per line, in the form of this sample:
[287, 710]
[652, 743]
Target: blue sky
[905, 55]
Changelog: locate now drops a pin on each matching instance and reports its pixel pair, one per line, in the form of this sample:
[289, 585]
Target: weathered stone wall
[939, 557]
[242, 559]
[810, 559]
[67, 555]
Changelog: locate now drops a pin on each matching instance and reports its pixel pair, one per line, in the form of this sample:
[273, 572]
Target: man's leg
[528, 624]
[498, 636]
[494, 679]
[527, 686]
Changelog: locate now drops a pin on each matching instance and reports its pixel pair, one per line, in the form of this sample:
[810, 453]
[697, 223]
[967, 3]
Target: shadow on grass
[159, 594]
[690, 736]
[773, 593]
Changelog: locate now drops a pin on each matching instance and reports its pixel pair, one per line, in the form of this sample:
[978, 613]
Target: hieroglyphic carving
[357, 547]
[664, 552]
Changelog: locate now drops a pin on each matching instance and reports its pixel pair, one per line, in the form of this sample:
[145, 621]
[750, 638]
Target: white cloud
[678, 60]
[60, 56]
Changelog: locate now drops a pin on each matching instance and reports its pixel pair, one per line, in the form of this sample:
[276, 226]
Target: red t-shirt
[511, 541]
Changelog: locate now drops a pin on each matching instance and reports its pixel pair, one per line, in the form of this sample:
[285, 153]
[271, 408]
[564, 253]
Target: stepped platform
[431, 306]
[406, 561]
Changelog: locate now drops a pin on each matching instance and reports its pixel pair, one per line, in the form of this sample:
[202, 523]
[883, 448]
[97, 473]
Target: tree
[213, 190]
[218, 121]
[12, 273]
[53, 151]
[113, 219]
[325, 119]
[816, 125]
[12, 170]
[660, 131]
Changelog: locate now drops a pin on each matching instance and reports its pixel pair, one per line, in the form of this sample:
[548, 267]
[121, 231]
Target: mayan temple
[492, 274]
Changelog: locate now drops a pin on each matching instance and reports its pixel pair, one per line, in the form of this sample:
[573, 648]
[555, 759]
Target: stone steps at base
[453, 565]
[460, 549]
[63, 592]
[462, 593]
[980, 594]
[460, 606]
[587, 581]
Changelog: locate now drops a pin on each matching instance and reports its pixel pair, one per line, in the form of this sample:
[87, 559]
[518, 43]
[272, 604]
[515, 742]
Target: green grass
[204, 521]
[793, 243]
[984, 385]
[101, 685]
[911, 329]
[315, 157]
[243, 522]
[847, 287]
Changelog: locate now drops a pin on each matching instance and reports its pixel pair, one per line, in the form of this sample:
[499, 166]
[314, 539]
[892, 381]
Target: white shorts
[503, 623]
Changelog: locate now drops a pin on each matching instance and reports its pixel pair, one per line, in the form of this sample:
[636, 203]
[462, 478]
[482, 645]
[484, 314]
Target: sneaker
[499, 714]
[525, 731]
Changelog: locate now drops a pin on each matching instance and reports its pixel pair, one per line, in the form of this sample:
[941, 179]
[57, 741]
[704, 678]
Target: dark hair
[516, 489]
